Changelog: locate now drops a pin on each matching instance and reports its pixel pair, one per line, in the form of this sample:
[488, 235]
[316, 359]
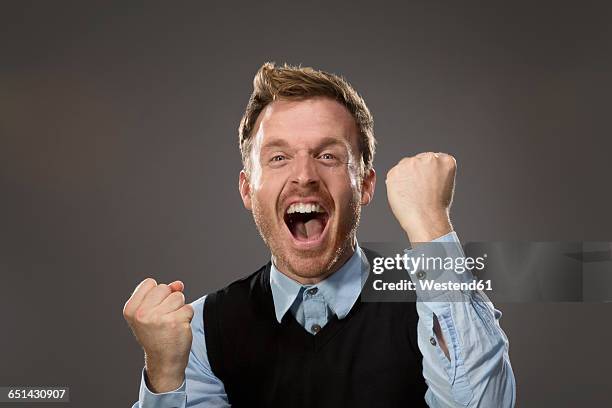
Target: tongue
[308, 230]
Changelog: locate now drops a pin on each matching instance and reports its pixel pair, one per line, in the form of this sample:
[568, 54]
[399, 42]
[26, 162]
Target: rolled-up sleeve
[478, 372]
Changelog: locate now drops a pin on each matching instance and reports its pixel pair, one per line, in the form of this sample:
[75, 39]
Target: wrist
[426, 227]
[162, 378]
[159, 383]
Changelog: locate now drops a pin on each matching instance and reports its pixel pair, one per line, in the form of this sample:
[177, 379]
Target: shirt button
[432, 341]
[312, 291]
[315, 328]
[420, 274]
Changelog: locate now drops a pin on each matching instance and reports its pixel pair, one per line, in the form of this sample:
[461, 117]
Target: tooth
[305, 208]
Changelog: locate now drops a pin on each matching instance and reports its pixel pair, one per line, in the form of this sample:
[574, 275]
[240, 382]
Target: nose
[304, 171]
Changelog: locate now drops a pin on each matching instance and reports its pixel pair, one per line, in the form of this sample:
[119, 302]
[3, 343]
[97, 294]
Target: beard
[313, 263]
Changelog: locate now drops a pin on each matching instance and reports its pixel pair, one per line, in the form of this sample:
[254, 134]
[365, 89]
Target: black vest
[368, 359]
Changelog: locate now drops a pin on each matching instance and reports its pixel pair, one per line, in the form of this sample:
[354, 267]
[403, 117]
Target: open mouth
[306, 221]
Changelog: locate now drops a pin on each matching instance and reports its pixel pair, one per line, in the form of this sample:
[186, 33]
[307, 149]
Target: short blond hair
[295, 82]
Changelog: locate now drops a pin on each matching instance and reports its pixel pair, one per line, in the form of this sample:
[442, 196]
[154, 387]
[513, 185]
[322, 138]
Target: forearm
[476, 368]
[162, 377]
[465, 351]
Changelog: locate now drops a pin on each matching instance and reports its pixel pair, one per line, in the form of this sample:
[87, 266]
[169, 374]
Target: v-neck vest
[368, 359]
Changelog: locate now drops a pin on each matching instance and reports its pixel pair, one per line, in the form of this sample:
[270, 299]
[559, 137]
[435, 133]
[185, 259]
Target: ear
[245, 189]
[368, 185]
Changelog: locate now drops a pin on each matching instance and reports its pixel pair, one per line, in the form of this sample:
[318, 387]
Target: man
[295, 333]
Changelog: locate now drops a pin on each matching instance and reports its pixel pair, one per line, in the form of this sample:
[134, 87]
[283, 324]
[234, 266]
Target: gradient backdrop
[119, 160]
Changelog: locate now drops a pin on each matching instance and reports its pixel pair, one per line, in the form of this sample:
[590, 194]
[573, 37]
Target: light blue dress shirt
[478, 373]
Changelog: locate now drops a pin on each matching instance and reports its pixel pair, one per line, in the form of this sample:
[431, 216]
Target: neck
[336, 264]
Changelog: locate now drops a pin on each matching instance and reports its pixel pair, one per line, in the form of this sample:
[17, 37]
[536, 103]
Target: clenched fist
[420, 193]
[161, 322]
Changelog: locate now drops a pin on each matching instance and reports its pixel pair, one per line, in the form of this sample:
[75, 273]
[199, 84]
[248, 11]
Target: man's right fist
[161, 322]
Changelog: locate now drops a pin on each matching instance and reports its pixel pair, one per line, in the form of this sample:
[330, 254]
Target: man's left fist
[420, 193]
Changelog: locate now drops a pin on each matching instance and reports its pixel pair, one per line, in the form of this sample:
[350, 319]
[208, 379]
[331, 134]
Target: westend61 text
[430, 285]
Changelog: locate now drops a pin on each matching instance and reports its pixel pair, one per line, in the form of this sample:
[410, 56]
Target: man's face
[304, 186]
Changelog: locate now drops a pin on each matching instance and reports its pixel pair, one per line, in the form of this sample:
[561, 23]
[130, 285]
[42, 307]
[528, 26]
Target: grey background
[119, 160]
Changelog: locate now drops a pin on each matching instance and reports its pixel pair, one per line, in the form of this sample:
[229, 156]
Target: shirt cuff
[443, 273]
[450, 237]
[170, 399]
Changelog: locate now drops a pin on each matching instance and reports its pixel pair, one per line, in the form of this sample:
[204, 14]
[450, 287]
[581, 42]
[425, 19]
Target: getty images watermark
[421, 266]
[504, 271]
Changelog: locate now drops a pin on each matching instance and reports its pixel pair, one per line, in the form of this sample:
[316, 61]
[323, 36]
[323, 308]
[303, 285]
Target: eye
[327, 156]
[278, 158]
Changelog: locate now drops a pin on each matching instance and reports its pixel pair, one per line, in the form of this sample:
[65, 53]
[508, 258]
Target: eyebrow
[274, 143]
[325, 142]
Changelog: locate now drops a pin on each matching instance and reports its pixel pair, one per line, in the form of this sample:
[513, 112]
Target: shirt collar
[340, 290]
